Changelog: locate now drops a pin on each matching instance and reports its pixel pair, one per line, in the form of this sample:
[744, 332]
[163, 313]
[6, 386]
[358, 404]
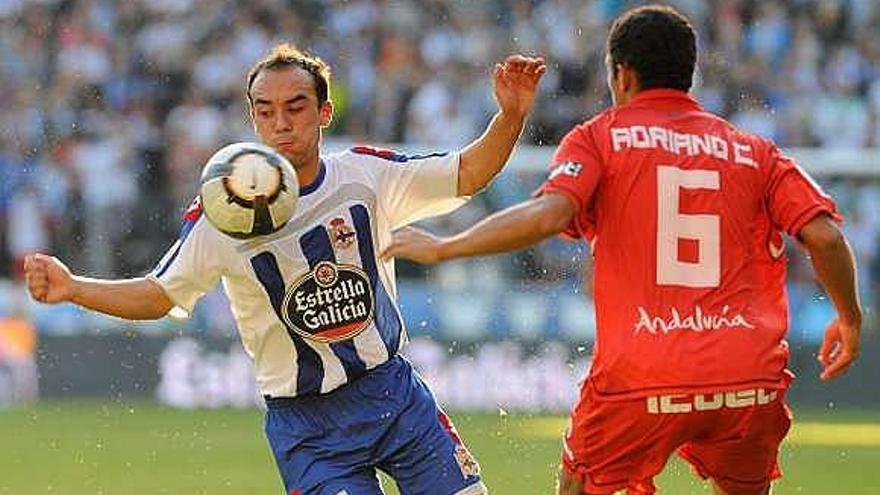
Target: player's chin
[292, 151]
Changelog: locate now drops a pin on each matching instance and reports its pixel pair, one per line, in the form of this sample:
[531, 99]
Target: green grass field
[90, 448]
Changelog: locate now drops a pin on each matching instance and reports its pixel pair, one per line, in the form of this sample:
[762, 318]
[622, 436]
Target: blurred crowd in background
[111, 108]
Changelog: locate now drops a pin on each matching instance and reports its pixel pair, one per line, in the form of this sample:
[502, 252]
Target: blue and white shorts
[333, 444]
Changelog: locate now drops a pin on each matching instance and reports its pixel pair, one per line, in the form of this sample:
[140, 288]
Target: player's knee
[568, 485]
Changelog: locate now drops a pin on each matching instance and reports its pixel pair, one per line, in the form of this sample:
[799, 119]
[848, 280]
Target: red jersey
[685, 214]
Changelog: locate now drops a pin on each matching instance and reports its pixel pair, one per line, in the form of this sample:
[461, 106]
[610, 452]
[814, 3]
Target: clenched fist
[48, 279]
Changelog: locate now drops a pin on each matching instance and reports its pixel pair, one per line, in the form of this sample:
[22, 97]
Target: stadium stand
[110, 109]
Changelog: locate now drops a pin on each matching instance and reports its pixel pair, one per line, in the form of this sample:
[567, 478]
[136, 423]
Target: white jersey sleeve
[193, 265]
[414, 187]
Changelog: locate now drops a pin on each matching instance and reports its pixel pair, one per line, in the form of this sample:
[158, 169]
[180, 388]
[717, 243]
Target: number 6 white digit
[673, 225]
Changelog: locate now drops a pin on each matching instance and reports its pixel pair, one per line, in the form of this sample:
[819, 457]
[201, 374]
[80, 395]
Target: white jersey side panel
[193, 264]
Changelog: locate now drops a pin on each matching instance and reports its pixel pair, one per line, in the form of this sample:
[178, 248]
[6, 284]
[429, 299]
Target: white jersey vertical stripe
[369, 344]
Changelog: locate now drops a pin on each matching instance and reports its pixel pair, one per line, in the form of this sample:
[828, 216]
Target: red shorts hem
[592, 488]
[727, 483]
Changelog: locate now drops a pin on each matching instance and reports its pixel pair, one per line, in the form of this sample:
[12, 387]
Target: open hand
[839, 349]
[48, 279]
[516, 82]
[415, 245]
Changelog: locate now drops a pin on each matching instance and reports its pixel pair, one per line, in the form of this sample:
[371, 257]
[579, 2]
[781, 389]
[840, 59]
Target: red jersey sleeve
[793, 198]
[575, 171]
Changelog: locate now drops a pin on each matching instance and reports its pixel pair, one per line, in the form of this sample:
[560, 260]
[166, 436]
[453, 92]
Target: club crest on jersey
[343, 235]
[330, 304]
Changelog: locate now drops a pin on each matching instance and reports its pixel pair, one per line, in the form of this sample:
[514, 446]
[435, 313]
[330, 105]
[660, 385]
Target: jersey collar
[315, 184]
[674, 97]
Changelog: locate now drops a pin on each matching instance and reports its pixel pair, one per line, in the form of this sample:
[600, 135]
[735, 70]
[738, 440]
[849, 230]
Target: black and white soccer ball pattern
[248, 190]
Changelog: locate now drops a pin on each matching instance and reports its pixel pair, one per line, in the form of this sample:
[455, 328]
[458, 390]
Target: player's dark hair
[659, 43]
[286, 55]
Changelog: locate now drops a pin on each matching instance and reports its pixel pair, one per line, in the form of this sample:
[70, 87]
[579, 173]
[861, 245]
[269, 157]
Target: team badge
[343, 235]
[466, 462]
[326, 274]
[330, 304]
[571, 169]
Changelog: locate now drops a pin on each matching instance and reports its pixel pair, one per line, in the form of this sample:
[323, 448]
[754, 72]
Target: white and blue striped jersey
[314, 304]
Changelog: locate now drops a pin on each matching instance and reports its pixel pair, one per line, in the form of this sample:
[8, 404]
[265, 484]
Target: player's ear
[251, 112]
[629, 79]
[326, 112]
[252, 116]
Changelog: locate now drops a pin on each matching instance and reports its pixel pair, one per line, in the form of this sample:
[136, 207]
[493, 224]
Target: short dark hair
[286, 55]
[659, 43]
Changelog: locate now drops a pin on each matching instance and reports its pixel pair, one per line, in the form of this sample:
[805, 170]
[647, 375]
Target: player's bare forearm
[514, 228]
[834, 263]
[483, 159]
[517, 227]
[131, 299]
[515, 82]
[49, 281]
[835, 266]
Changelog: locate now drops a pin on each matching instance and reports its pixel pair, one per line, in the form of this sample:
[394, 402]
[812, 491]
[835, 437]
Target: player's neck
[308, 172]
[310, 176]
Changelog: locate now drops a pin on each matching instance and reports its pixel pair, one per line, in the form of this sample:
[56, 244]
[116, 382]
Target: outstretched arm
[50, 281]
[515, 228]
[834, 263]
[515, 83]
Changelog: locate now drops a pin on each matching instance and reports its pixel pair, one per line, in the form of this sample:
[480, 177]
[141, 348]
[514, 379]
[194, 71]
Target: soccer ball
[248, 190]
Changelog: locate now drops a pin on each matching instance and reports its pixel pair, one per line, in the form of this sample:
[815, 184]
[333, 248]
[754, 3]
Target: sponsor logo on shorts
[466, 462]
[331, 303]
[685, 403]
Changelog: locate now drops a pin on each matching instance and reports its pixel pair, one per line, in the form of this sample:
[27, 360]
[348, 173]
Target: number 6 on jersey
[673, 225]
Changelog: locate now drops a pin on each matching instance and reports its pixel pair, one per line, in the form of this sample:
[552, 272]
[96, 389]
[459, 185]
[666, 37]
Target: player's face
[286, 114]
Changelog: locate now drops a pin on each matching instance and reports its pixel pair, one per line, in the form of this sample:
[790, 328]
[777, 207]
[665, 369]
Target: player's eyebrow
[295, 99]
[290, 101]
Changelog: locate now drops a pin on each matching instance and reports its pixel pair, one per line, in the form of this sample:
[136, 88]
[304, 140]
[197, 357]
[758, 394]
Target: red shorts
[732, 438]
